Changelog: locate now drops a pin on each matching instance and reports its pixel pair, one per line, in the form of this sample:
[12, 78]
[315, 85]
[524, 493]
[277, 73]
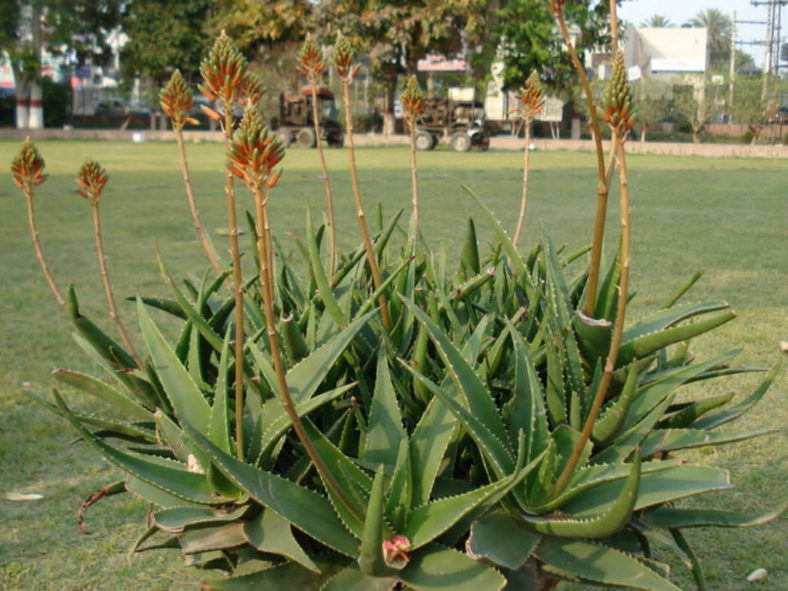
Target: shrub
[394, 421]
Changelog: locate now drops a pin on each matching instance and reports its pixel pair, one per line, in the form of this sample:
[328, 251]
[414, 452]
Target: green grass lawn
[726, 216]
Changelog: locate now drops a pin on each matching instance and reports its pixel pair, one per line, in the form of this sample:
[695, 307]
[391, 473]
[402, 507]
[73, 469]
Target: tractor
[296, 120]
[463, 122]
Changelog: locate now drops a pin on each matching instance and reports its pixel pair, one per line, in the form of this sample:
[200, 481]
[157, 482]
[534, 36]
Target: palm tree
[657, 21]
[718, 26]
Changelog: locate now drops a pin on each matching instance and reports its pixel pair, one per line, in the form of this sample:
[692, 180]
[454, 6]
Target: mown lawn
[725, 216]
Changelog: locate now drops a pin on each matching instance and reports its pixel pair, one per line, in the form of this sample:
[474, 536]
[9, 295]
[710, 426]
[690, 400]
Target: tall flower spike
[412, 100]
[176, 100]
[223, 71]
[531, 97]
[28, 167]
[311, 60]
[343, 58]
[618, 98]
[254, 152]
[252, 90]
[91, 178]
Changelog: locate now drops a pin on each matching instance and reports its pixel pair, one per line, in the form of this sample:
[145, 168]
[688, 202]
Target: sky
[680, 11]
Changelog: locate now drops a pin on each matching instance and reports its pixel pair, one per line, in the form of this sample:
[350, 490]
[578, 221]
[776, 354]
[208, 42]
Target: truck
[462, 121]
[295, 122]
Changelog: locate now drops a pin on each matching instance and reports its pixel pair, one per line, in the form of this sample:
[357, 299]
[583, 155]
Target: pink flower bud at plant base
[396, 547]
[28, 167]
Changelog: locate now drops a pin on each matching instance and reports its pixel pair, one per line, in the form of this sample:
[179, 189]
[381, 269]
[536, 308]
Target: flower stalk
[618, 115]
[343, 62]
[92, 179]
[253, 156]
[412, 107]
[224, 71]
[28, 172]
[557, 7]
[176, 102]
[312, 65]
[531, 103]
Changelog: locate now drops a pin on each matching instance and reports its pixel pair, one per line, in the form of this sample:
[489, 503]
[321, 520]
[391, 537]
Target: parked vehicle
[112, 107]
[462, 121]
[295, 122]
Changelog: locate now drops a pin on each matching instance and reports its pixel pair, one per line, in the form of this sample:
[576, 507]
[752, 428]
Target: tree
[718, 26]
[396, 34]
[530, 42]
[651, 106]
[657, 21]
[77, 27]
[164, 36]
[750, 107]
[688, 107]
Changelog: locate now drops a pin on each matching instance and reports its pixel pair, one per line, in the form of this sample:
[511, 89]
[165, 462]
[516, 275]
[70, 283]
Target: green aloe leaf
[126, 405]
[268, 532]
[277, 422]
[284, 577]
[599, 564]
[478, 399]
[724, 416]
[441, 569]
[642, 346]
[503, 540]
[493, 448]
[400, 491]
[165, 305]
[428, 522]
[385, 420]
[371, 560]
[528, 412]
[611, 518]
[177, 519]
[670, 517]
[184, 395]
[319, 273]
[609, 423]
[428, 444]
[665, 440]
[156, 496]
[656, 488]
[180, 483]
[470, 251]
[500, 233]
[666, 318]
[352, 579]
[305, 509]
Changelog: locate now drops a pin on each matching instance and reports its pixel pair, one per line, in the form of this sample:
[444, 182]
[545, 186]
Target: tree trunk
[389, 121]
[696, 134]
[643, 132]
[36, 110]
[22, 118]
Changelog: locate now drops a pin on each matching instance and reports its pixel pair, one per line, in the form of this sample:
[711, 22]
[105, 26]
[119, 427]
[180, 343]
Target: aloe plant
[503, 424]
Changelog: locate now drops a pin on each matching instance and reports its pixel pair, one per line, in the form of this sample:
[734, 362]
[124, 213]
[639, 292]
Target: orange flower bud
[343, 58]
[311, 60]
[223, 71]
[176, 100]
[91, 178]
[28, 167]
